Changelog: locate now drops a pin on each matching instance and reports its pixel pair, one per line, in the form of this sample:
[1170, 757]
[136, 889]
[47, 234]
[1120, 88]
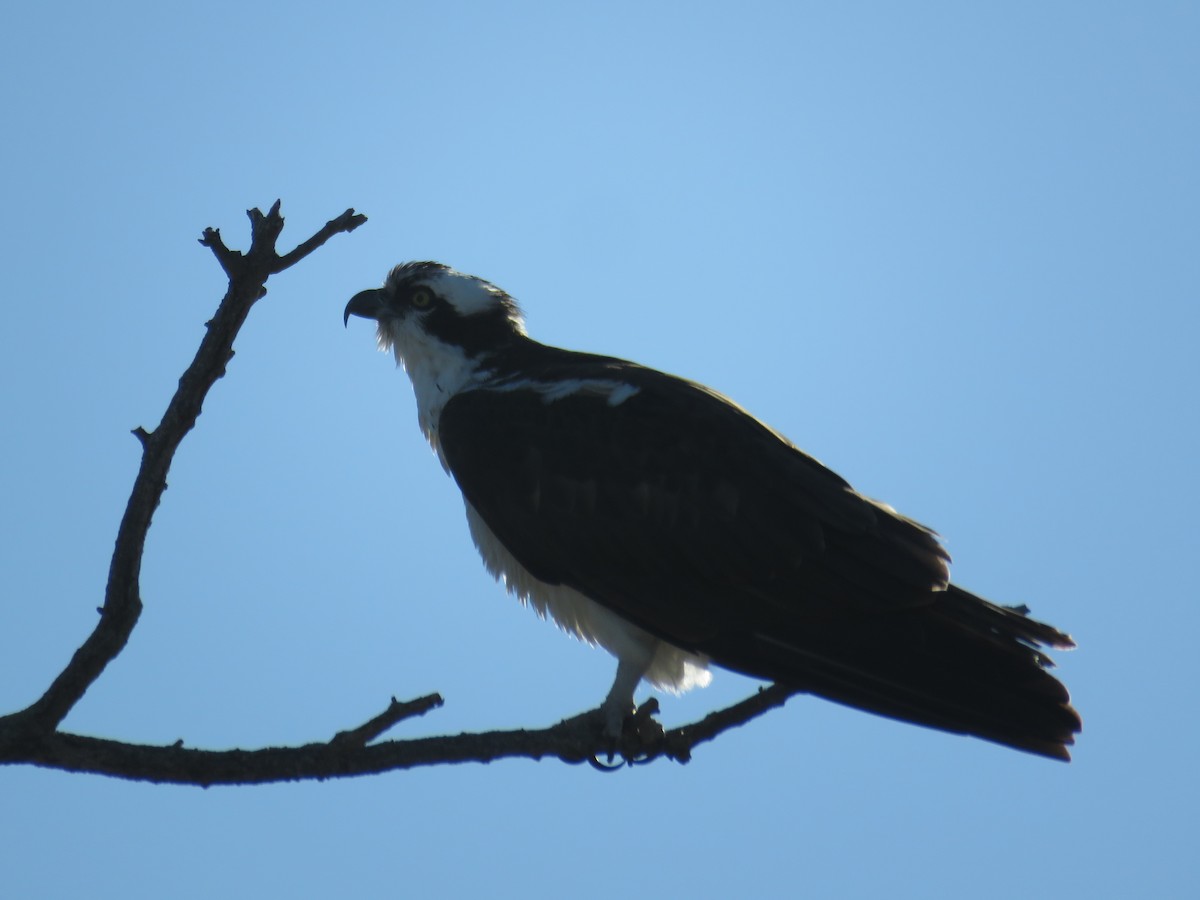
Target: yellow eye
[421, 298]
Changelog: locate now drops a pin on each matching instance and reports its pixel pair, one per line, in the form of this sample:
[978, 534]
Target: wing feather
[687, 516]
[678, 509]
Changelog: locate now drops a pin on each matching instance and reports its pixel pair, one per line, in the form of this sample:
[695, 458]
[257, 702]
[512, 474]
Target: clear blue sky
[950, 249]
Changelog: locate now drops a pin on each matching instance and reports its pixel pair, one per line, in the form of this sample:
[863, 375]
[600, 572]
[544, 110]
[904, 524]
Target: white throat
[437, 371]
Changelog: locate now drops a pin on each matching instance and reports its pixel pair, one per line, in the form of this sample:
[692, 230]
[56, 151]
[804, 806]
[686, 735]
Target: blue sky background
[950, 249]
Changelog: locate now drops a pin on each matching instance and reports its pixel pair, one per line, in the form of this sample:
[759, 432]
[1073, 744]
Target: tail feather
[961, 665]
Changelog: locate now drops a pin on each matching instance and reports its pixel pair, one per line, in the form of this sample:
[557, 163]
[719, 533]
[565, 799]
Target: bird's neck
[438, 371]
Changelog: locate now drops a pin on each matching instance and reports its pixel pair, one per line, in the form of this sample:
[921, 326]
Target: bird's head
[426, 310]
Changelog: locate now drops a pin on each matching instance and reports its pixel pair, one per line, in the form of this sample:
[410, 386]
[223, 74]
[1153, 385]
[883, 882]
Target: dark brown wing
[687, 516]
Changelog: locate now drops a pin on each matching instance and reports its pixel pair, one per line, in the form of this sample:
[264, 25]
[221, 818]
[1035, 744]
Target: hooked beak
[366, 304]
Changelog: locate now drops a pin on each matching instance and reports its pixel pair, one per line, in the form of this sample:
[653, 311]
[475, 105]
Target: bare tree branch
[396, 712]
[122, 601]
[573, 741]
[31, 735]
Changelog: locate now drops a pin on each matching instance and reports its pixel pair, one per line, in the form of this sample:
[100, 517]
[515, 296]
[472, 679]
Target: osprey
[656, 518]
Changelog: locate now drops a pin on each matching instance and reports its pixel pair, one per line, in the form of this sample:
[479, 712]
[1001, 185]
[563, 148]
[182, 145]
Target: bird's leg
[618, 705]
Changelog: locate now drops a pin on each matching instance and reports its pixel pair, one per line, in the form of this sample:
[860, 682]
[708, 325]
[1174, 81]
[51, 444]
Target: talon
[647, 711]
[642, 725]
[616, 717]
[610, 766]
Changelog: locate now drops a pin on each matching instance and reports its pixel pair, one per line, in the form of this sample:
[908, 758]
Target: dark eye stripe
[476, 334]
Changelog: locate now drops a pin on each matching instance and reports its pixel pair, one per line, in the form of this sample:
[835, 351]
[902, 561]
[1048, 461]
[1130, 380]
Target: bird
[654, 517]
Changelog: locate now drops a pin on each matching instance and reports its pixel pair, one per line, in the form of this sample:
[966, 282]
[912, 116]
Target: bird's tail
[962, 665]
